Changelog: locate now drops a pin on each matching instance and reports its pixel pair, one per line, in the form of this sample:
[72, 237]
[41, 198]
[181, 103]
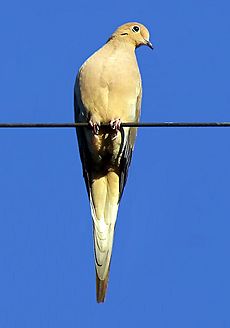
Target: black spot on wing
[124, 162]
[83, 148]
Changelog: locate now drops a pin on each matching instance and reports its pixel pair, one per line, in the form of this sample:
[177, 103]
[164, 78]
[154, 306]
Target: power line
[128, 124]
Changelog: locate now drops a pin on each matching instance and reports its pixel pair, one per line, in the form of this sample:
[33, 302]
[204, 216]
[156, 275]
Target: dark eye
[135, 28]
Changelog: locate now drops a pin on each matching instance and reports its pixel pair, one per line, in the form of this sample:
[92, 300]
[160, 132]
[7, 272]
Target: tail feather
[101, 288]
[104, 196]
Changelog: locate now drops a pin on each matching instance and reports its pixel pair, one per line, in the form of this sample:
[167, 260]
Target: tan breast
[109, 84]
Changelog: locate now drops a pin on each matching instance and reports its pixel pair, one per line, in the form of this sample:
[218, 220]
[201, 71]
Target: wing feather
[128, 147]
[82, 142]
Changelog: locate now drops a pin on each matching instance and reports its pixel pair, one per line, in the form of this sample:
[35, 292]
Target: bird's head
[134, 33]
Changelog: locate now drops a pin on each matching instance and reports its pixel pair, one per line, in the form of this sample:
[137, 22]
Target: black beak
[149, 44]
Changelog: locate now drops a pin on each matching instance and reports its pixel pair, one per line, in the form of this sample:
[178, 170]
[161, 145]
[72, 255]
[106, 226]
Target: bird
[108, 91]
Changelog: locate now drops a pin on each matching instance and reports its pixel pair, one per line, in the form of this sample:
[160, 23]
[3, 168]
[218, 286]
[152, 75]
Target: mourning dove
[108, 90]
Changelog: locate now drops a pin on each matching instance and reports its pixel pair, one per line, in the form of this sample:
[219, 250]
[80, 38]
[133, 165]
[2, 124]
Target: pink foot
[95, 127]
[115, 124]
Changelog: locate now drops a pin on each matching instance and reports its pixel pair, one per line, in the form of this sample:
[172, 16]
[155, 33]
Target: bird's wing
[129, 137]
[82, 142]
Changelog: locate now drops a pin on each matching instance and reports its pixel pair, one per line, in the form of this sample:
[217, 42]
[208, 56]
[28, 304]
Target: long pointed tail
[101, 288]
[104, 206]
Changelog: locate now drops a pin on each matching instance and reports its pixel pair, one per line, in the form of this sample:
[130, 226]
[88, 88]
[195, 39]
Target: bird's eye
[135, 28]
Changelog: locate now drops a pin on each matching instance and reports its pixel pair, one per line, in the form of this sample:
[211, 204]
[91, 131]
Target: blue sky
[170, 265]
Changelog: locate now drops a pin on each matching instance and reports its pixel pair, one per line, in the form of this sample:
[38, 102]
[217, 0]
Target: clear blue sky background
[170, 265]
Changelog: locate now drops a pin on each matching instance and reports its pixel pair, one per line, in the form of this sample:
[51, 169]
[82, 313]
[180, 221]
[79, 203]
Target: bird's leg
[95, 127]
[115, 125]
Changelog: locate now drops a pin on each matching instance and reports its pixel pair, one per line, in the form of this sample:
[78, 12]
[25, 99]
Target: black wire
[128, 124]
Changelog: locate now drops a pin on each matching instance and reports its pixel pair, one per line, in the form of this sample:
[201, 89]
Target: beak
[149, 44]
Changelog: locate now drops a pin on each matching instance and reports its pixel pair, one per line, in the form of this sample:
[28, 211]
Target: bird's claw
[95, 127]
[115, 124]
